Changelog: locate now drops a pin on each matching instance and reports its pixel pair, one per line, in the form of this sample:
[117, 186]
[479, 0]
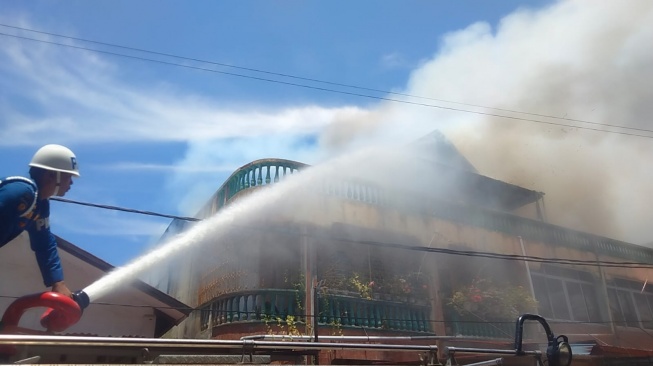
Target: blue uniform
[21, 209]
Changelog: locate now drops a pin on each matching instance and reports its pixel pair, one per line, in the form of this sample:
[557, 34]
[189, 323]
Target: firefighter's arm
[44, 245]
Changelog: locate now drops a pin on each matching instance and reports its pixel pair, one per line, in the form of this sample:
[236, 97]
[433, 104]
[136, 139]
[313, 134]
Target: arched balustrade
[255, 174]
[274, 305]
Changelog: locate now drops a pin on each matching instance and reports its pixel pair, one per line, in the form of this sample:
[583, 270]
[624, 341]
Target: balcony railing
[375, 314]
[257, 305]
[273, 305]
[479, 327]
[255, 174]
[269, 171]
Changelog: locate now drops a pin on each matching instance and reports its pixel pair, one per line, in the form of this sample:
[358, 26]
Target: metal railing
[283, 306]
[255, 174]
[479, 327]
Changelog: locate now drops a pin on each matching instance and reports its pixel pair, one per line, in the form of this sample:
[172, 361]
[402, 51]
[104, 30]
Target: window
[630, 304]
[566, 294]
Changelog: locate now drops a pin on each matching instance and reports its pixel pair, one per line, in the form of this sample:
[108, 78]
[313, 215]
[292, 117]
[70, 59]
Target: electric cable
[316, 80]
[130, 210]
[340, 91]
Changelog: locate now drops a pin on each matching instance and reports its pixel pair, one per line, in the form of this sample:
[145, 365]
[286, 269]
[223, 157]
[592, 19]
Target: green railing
[354, 190]
[479, 327]
[255, 174]
[271, 305]
[269, 171]
[257, 305]
[376, 314]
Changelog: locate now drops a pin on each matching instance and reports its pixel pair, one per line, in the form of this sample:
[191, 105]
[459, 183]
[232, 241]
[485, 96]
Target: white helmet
[57, 158]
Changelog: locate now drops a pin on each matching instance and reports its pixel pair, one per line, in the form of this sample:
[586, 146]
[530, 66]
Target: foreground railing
[185, 351]
[279, 306]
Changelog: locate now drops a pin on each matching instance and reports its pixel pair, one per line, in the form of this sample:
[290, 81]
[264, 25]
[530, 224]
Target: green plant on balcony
[485, 300]
[364, 288]
[405, 287]
[287, 326]
[299, 286]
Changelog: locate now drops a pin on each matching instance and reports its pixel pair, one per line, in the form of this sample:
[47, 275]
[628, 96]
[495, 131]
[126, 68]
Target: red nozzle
[63, 311]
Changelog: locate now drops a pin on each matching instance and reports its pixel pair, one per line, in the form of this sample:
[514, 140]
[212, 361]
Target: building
[432, 249]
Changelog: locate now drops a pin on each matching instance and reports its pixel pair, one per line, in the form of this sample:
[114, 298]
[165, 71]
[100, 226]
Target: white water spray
[241, 210]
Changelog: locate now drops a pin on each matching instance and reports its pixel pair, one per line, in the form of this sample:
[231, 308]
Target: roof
[494, 193]
[460, 179]
[440, 149]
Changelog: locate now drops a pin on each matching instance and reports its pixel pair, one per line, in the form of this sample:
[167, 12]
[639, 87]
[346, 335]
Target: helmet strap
[56, 188]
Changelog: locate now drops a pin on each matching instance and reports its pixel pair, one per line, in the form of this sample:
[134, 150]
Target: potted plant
[485, 300]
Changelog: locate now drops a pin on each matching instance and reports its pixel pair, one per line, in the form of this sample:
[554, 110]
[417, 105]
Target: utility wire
[317, 80]
[344, 92]
[515, 257]
[130, 210]
[467, 253]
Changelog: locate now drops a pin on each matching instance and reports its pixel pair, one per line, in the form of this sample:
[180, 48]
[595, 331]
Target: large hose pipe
[62, 311]
[58, 319]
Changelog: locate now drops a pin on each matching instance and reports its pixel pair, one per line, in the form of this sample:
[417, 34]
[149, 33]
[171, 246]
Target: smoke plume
[577, 69]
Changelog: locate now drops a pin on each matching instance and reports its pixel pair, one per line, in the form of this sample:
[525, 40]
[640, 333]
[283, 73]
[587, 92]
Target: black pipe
[82, 299]
[316, 311]
[519, 331]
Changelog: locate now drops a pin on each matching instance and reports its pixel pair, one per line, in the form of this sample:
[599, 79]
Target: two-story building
[425, 249]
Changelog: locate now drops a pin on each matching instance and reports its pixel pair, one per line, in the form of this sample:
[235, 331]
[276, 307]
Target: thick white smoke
[578, 60]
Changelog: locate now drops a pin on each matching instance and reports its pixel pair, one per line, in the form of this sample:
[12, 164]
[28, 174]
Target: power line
[467, 253]
[130, 210]
[515, 257]
[359, 94]
[316, 80]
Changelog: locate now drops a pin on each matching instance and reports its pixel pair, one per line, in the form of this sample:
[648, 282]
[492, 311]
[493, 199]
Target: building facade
[338, 255]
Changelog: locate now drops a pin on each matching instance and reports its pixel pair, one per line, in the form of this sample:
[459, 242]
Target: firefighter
[25, 205]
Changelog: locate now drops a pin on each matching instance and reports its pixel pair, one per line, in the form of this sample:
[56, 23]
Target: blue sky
[157, 137]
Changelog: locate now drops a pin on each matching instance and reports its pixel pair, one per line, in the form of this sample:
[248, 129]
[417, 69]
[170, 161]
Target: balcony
[279, 306]
[375, 314]
[255, 174]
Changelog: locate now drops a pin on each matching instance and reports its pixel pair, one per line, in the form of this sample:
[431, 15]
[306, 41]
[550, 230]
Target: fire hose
[61, 312]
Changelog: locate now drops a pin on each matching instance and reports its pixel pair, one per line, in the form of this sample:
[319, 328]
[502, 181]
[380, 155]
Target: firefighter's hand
[61, 288]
